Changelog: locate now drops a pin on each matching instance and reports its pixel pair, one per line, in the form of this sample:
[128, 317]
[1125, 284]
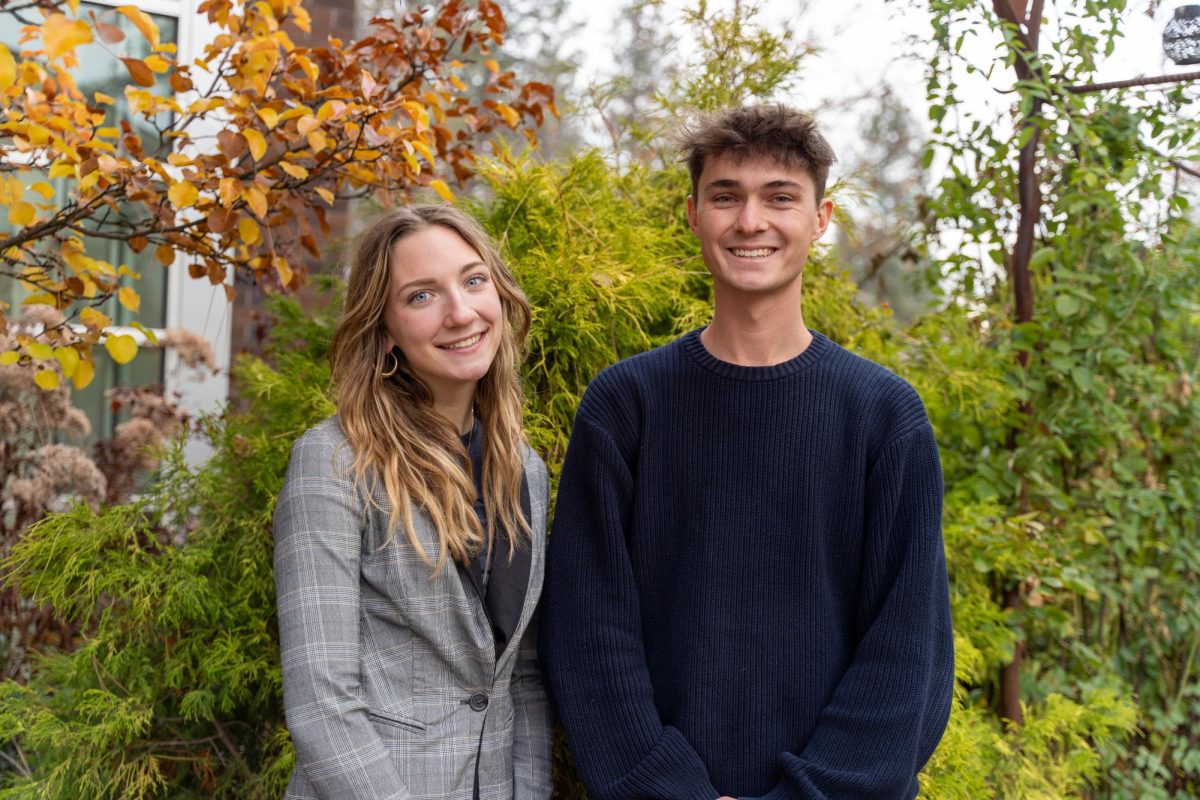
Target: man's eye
[783, 198]
[722, 198]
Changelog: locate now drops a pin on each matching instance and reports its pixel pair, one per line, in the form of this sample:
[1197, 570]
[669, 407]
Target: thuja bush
[174, 689]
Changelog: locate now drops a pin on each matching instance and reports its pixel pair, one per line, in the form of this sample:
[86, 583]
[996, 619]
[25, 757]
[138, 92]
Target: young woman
[410, 533]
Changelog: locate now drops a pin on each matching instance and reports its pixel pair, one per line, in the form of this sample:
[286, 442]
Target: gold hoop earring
[388, 372]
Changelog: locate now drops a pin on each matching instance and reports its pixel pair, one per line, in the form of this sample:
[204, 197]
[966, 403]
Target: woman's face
[443, 311]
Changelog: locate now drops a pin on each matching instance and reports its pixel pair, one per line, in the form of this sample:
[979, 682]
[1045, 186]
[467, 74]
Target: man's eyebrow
[732, 183]
[470, 265]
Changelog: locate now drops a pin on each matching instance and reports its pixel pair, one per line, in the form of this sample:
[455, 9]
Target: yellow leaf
[47, 379]
[457, 83]
[492, 65]
[442, 189]
[269, 116]
[39, 351]
[326, 195]
[248, 230]
[284, 269]
[317, 141]
[68, 358]
[121, 347]
[9, 357]
[21, 214]
[423, 149]
[8, 68]
[257, 143]
[509, 114]
[157, 63]
[143, 23]
[129, 298]
[83, 373]
[295, 170]
[183, 194]
[44, 189]
[307, 125]
[94, 319]
[108, 133]
[103, 99]
[62, 169]
[257, 201]
[149, 334]
[62, 35]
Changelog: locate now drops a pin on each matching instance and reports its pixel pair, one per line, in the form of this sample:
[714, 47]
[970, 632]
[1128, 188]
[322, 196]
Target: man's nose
[750, 218]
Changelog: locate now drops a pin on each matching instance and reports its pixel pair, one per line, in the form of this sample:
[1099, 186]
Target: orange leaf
[165, 254]
[93, 319]
[141, 74]
[143, 23]
[62, 35]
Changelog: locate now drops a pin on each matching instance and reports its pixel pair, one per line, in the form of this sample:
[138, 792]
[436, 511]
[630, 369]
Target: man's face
[756, 220]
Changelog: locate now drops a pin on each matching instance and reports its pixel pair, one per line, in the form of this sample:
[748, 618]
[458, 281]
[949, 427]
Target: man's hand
[726, 797]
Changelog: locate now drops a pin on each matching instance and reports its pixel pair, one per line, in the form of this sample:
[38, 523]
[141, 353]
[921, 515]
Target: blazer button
[478, 701]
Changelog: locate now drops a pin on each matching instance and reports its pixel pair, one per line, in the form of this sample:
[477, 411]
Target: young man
[746, 588]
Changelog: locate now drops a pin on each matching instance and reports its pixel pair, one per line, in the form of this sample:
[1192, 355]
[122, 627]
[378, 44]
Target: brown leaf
[141, 74]
[181, 83]
[220, 219]
[232, 146]
[109, 34]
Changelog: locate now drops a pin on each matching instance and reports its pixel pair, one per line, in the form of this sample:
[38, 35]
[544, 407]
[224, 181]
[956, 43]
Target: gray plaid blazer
[391, 684]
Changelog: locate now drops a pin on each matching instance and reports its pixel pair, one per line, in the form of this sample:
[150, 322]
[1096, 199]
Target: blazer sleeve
[890, 708]
[319, 522]
[532, 720]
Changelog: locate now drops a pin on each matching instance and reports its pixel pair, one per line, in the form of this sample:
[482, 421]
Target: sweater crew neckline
[696, 350]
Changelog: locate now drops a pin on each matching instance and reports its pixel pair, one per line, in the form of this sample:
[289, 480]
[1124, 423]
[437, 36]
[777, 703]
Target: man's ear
[691, 212]
[824, 214]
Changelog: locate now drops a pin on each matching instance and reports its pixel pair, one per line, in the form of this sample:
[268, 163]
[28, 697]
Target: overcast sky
[867, 42]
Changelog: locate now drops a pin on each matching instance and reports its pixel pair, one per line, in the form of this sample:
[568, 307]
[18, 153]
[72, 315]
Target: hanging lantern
[1181, 37]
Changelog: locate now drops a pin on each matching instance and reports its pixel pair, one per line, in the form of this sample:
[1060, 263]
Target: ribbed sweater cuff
[671, 769]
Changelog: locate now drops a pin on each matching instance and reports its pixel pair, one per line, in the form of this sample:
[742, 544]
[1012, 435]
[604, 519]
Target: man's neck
[756, 332]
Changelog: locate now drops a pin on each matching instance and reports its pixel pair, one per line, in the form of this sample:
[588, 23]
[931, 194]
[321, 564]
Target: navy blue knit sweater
[746, 586]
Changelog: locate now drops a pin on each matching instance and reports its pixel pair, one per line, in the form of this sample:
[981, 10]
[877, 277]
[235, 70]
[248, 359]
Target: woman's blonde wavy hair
[396, 435]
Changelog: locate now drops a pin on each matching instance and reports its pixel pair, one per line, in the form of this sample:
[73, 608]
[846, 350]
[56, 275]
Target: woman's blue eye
[418, 297]
[476, 280]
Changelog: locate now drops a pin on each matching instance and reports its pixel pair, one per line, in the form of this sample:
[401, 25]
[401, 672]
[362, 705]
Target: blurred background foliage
[1071, 478]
